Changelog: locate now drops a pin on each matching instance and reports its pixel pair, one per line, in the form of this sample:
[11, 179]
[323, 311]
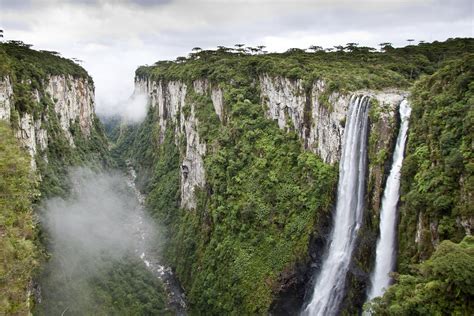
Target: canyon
[269, 184]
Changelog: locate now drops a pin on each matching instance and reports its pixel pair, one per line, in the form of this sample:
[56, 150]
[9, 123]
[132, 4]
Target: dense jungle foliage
[258, 208]
[18, 251]
[441, 285]
[28, 70]
[122, 287]
[437, 175]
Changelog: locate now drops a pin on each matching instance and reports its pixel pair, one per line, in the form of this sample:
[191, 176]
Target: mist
[133, 110]
[95, 237]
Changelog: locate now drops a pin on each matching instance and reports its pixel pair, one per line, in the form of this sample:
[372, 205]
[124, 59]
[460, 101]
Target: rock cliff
[72, 100]
[169, 99]
[316, 116]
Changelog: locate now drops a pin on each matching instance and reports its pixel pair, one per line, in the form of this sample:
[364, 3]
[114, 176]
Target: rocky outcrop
[203, 86]
[73, 100]
[6, 94]
[192, 173]
[316, 114]
[466, 222]
[32, 136]
[169, 98]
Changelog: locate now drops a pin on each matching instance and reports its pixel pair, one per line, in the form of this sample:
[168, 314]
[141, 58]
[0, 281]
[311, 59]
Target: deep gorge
[238, 160]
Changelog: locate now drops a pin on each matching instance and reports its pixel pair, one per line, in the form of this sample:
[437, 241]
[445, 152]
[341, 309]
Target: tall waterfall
[329, 288]
[385, 255]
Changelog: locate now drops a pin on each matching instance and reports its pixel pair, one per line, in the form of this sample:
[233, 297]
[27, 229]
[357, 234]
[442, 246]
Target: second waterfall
[329, 288]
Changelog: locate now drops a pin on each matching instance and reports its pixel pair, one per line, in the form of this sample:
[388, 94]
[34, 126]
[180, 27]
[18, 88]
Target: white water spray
[329, 289]
[385, 255]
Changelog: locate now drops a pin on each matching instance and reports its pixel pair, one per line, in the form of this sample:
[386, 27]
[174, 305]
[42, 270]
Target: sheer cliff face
[6, 94]
[319, 123]
[318, 116]
[170, 99]
[72, 99]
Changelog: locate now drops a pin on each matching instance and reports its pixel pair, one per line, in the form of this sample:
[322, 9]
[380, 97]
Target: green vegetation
[25, 63]
[264, 195]
[442, 285]
[344, 70]
[91, 151]
[437, 175]
[263, 198]
[28, 71]
[116, 291]
[120, 287]
[18, 251]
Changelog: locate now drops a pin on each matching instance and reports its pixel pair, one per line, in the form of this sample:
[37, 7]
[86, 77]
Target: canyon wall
[72, 101]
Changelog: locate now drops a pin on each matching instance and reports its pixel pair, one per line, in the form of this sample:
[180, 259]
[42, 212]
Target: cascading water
[385, 255]
[329, 288]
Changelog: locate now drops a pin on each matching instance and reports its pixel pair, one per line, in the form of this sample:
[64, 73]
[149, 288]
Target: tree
[410, 40]
[351, 47]
[20, 44]
[260, 48]
[239, 48]
[197, 49]
[315, 48]
[385, 46]
[1, 33]
[339, 48]
[295, 50]
[253, 50]
[223, 49]
[441, 285]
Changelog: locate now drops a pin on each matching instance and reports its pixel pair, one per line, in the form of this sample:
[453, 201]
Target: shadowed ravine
[176, 297]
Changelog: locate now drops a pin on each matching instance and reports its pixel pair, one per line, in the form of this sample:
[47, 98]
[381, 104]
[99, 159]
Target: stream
[176, 297]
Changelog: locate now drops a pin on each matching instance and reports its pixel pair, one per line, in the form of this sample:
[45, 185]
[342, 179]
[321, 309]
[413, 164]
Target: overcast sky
[113, 37]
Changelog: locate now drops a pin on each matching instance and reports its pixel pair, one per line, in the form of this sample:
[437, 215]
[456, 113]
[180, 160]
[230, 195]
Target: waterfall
[330, 284]
[385, 255]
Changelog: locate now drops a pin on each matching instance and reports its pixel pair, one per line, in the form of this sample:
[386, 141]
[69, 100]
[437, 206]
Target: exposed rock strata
[73, 100]
[169, 99]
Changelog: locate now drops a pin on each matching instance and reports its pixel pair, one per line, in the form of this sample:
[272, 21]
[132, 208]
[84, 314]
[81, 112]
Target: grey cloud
[150, 3]
[15, 4]
[11, 24]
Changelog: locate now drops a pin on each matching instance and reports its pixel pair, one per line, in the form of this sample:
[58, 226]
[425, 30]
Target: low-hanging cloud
[133, 110]
[102, 222]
